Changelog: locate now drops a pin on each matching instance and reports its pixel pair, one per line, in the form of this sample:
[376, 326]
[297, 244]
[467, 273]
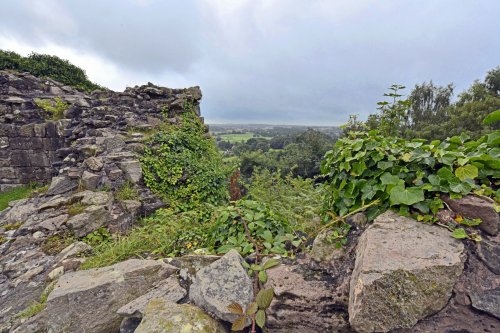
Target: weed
[13, 226]
[36, 307]
[55, 108]
[56, 243]
[76, 208]
[127, 192]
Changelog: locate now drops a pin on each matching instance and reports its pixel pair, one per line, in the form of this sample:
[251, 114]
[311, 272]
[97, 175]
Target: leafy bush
[55, 108]
[366, 167]
[269, 230]
[183, 165]
[44, 65]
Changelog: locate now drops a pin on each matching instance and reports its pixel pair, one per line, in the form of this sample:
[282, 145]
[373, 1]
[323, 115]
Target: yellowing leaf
[239, 324]
[406, 157]
[468, 171]
[459, 218]
[235, 308]
[252, 308]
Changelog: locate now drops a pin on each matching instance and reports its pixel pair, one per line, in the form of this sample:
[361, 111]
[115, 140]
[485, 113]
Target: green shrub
[366, 167]
[269, 230]
[55, 108]
[182, 164]
[44, 65]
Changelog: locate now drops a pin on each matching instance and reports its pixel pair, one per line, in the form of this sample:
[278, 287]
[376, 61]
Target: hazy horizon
[292, 62]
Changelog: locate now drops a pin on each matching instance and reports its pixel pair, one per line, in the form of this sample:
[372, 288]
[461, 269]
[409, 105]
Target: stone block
[8, 172]
[20, 158]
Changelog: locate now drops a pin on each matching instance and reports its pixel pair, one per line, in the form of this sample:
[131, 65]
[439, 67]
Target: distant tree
[492, 81]
[429, 105]
[353, 125]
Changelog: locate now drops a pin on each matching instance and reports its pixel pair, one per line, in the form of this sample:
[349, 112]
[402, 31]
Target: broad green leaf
[256, 267]
[494, 138]
[492, 118]
[406, 196]
[235, 308]
[466, 172]
[385, 164]
[260, 318]
[264, 298]
[267, 235]
[271, 263]
[388, 179]
[459, 233]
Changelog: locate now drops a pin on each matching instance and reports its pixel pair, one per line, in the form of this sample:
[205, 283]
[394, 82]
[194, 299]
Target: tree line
[429, 112]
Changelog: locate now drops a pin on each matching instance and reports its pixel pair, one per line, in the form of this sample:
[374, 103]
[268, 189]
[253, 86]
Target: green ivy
[181, 163]
[365, 167]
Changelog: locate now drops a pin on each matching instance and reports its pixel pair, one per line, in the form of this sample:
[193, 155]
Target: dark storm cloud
[275, 61]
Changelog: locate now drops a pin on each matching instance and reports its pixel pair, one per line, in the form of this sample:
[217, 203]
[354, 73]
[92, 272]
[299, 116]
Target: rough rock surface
[459, 315]
[163, 317]
[220, 284]
[87, 301]
[306, 300]
[168, 290]
[325, 250]
[473, 207]
[487, 301]
[404, 272]
[85, 158]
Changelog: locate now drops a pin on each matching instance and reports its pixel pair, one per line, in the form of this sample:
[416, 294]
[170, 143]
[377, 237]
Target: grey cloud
[284, 61]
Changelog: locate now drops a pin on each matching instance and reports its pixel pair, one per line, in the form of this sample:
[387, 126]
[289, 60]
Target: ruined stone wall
[34, 148]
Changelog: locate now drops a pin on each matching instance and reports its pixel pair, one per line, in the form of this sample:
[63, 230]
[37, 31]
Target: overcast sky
[265, 61]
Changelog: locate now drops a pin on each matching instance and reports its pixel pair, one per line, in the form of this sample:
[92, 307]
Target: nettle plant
[246, 225]
[367, 171]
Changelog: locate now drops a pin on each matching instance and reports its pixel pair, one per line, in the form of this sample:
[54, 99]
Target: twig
[341, 218]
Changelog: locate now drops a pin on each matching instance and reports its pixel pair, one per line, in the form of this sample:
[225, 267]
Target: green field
[233, 138]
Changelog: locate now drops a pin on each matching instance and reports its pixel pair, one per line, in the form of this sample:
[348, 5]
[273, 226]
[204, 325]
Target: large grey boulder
[404, 272]
[220, 284]
[87, 301]
[164, 317]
